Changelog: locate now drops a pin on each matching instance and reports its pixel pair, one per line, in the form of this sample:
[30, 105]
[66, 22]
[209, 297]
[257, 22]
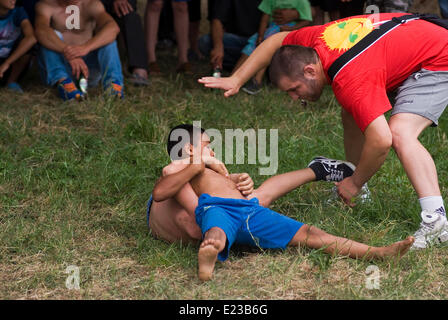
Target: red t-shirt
[361, 86]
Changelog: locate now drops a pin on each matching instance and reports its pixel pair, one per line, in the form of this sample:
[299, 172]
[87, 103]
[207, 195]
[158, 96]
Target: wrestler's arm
[174, 177]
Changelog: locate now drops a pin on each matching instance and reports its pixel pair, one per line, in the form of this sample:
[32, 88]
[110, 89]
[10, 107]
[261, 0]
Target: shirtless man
[226, 216]
[71, 49]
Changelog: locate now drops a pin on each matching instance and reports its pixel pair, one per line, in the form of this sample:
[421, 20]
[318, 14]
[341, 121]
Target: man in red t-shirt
[412, 58]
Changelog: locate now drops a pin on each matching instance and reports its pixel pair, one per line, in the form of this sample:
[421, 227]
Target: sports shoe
[115, 89]
[331, 169]
[252, 87]
[15, 87]
[68, 90]
[433, 230]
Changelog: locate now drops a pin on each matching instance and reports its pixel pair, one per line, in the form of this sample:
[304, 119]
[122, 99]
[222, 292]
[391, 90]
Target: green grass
[75, 177]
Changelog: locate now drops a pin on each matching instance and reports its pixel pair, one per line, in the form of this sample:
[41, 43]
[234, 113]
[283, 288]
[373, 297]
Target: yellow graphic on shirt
[343, 35]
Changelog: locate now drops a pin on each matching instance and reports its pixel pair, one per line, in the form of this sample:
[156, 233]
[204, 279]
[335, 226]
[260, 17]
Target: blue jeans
[104, 64]
[233, 44]
[444, 8]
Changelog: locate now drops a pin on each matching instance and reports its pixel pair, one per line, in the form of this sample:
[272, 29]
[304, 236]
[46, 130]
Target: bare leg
[259, 75]
[213, 243]
[181, 23]
[152, 17]
[18, 67]
[194, 37]
[416, 160]
[353, 138]
[316, 238]
[279, 185]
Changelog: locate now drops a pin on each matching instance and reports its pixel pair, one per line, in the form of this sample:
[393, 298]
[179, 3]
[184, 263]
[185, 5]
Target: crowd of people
[73, 51]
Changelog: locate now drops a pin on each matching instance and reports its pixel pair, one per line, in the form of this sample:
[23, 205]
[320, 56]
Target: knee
[400, 136]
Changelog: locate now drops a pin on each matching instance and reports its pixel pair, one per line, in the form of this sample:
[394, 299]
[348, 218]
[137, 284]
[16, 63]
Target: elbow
[158, 195]
[32, 40]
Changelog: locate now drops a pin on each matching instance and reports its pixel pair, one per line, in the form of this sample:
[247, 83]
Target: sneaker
[68, 90]
[433, 230]
[331, 169]
[115, 89]
[252, 87]
[15, 87]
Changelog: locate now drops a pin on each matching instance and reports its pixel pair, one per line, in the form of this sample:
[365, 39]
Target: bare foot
[397, 249]
[207, 255]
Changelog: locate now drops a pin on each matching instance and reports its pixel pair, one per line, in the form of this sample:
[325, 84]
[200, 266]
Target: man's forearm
[107, 34]
[260, 58]
[49, 39]
[217, 33]
[372, 158]
[169, 185]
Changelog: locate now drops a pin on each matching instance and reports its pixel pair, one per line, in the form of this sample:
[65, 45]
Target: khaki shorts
[424, 93]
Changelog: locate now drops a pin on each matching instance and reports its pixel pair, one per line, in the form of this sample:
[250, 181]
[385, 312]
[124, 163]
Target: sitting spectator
[16, 39]
[232, 23]
[88, 48]
[391, 5]
[125, 13]
[268, 27]
[181, 22]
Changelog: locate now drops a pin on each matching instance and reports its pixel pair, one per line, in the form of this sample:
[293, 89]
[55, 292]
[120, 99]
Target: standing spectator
[444, 8]
[232, 23]
[391, 5]
[125, 14]
[268, 27]
[319, 8]
[16, 39]
[90, 50]
[194, 14]
[181, 22]
[349, 8]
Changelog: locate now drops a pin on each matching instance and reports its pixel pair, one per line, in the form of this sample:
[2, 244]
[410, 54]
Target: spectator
[268, 27]
[125, 14]
[29, 5]
[391, 5]
[349, 8]
[181, 21]
[232, 23]
[194, 14]
[16, 39]
[319, 7]
[91, 50]
[444, 8]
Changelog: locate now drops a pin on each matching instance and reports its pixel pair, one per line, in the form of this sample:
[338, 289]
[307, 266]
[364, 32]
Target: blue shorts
[148, 210]
[245, 222]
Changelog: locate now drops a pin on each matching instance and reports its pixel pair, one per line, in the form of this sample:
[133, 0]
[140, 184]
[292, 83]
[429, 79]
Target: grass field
[75, 178]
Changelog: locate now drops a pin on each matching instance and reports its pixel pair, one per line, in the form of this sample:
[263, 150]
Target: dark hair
[188, 130]
[289, 61]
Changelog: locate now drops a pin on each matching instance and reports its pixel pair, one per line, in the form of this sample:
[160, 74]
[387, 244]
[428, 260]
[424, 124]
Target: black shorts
[325, 5]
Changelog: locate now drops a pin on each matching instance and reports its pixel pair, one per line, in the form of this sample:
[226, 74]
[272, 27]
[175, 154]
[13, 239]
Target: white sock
[433, 204]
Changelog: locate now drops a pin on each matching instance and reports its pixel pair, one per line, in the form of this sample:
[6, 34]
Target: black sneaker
[331, 169]
[252, 87]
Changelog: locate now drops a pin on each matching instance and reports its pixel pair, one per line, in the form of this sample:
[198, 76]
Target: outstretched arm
[259, 59]
[279, 185]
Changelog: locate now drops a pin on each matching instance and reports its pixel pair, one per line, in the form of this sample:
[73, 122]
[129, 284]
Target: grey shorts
[424, 93]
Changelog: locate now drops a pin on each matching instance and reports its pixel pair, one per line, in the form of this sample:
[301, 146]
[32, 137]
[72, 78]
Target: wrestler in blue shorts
[245, 222]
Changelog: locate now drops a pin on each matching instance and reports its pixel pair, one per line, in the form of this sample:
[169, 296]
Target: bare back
[59, 17]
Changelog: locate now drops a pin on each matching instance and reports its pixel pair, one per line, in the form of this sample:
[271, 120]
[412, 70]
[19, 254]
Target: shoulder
[45, 6]
[173, 167]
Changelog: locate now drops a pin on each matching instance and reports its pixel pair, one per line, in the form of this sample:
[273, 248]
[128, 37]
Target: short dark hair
[189, 129]
[289, 61]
